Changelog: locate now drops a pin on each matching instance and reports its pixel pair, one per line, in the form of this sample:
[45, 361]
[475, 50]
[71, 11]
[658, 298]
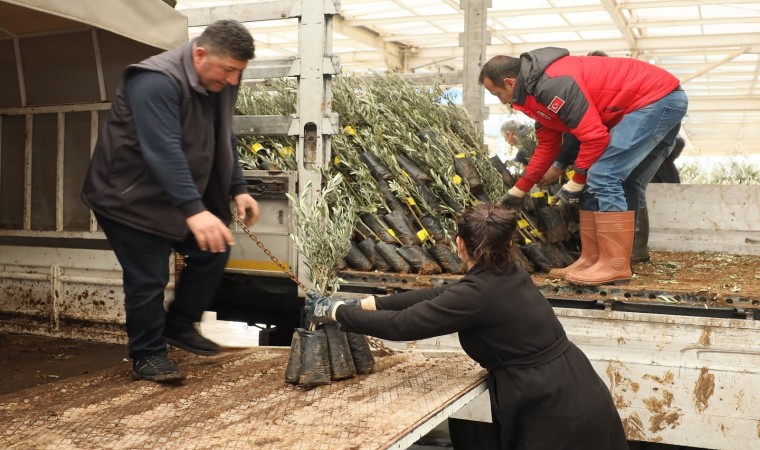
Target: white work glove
[366, 303]
[570, 194]
[513, 199]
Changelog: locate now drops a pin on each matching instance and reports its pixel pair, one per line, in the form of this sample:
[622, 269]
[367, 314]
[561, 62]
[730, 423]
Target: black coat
[551, 401]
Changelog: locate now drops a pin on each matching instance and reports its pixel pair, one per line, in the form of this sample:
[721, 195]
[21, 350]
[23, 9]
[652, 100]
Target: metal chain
[377, 344]
[269, 254]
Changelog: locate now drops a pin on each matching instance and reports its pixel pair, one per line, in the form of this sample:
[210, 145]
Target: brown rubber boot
[641, 238]
[614, 233]
[589, 247]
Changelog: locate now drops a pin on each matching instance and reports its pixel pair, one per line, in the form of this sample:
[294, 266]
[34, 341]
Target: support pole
[474, 41]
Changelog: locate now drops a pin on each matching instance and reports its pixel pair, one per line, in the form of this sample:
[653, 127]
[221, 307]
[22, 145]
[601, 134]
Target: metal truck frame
[678, 376]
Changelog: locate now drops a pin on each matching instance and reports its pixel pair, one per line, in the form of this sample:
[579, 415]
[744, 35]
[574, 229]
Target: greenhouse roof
[712, 46]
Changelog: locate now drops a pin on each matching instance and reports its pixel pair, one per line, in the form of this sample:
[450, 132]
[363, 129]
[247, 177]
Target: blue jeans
[144, 259]
[627, 157]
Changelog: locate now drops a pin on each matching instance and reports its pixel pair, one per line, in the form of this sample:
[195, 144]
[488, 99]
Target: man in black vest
[161, 178]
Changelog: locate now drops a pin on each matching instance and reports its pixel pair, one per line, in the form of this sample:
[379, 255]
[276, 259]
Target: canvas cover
[60, 52]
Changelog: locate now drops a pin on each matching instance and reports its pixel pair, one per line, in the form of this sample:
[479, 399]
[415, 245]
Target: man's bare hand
[247, 209]
[551, 176]
[210, 233]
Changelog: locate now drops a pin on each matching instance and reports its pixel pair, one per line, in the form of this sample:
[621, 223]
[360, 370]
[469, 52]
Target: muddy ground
[27, 360]
[706, 279]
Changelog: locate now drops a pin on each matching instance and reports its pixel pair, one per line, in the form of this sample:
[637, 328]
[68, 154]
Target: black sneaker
[192, 341]
[157, 368]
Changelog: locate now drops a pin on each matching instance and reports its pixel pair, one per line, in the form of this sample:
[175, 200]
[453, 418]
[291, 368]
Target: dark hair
[498, 68]
[227, 38]
[487, 231]
[597, 53]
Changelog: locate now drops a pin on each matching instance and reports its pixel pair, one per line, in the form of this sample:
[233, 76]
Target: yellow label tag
[256, 147]
[538, 194]
[522, 223]
[336, 160]
[411, 201]
[456, 179]
[528, 241]
[570, 174]
[550, 199]
[535, 233]
[460, 155]
[285, 151]
[391, 232]
[350, 130]
[423, 234]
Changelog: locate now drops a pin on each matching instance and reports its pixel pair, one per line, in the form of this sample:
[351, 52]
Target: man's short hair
[512, 126]
[227, 38]
[498, 68]
[597, 53]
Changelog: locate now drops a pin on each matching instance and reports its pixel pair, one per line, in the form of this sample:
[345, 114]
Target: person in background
[668, 172]
[544, 392]
[163, 173]
[620, 109]
[511, 131]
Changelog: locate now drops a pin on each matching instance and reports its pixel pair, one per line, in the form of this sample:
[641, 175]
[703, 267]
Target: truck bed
[697, 279]
[239, 399]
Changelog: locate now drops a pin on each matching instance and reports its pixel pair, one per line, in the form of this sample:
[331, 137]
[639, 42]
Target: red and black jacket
[584, 96]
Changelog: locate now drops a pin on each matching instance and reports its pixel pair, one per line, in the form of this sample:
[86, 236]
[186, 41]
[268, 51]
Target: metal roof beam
[714, 65]
[689, 22]
[505, 13]
[751, 42]
[620, 22]
[390, 52]
[633, 4]
[723, 103]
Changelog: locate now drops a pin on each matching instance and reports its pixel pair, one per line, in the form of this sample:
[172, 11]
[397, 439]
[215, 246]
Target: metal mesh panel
[237, 400]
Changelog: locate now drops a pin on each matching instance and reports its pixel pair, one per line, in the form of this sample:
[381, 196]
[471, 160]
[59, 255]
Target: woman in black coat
[544, 392]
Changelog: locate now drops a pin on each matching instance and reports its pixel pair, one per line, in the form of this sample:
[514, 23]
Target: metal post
[474, 40]
[314, 95]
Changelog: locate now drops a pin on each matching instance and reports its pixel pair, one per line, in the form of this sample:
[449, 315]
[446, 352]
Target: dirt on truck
[704, 279]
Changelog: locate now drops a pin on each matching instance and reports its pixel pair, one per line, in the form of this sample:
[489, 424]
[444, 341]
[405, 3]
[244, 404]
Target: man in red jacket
[619, 109]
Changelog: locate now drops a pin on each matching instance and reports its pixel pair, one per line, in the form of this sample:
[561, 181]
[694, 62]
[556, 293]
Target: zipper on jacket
[134, 184]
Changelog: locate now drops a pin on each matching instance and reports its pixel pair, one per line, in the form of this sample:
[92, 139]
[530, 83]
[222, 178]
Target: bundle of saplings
[321, 354]
[411, 161]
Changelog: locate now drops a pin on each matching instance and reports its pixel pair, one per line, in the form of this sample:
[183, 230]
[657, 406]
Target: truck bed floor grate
[237, 400]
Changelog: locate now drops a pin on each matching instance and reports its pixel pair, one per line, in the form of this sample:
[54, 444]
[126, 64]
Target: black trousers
[144, 259]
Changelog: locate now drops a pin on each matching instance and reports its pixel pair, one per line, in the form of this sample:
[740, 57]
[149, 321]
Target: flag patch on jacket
[556, 104]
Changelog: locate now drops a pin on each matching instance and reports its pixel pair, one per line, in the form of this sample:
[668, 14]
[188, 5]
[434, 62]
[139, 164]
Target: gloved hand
[513, 199]
[352, 301]
[321, 309]
[366, 303]
[570, 194]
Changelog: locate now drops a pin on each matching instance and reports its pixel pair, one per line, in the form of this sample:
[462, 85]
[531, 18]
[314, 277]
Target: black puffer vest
[119, 185]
